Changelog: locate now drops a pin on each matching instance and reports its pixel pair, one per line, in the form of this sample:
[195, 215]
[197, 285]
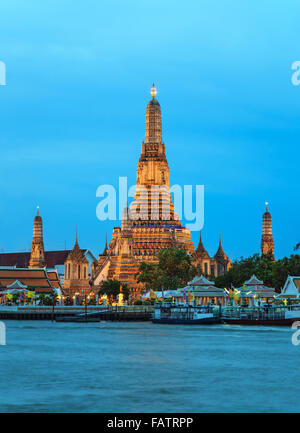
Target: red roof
[21, 260]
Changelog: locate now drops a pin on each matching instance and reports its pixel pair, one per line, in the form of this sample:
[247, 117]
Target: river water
[145, 367]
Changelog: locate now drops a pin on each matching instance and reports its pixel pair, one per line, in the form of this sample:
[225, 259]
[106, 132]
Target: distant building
[254, 290]
[37, 255]
[204, 291]
[41, 280]
[267, 243]
[153, 223]
[291, 288]
[76, 272]
[38, 258]
[214, 266]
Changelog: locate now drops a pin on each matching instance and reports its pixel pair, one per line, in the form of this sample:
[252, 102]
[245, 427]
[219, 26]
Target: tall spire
[267, 243]
[105, 252]
[76, 241]
[220, 253]
[37, 255]
[126, 219]
[76, 251]
[153, 120]
[201, 251]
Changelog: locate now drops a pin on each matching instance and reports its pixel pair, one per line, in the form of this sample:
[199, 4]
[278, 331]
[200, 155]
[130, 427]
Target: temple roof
[253, 281]
[21, 260]
[200, 281]
[105, 252]
[201, 286]
[76, 253]
[39, 279]
[220, 253]
[201, 251]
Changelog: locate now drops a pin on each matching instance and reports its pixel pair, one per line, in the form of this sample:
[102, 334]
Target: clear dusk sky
[72, 113]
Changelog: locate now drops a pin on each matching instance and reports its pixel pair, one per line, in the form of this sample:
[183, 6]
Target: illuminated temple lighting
[153, 91]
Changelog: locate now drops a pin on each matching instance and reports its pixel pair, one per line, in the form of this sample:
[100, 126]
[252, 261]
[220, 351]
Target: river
[144, 367]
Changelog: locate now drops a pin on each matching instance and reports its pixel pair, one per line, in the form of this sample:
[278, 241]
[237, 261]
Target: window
[205, 269]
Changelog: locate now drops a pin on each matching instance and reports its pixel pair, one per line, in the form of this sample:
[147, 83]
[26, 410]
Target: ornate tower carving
[76, 272]
[37, 256]
[267, 243]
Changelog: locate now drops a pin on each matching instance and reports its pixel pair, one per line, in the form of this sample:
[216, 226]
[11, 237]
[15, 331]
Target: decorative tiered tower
[267, 243]
[155, 225]
[37, 256]
[153, 222]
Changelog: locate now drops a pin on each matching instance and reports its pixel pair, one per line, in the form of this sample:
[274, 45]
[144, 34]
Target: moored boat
[184, 315]
[266, 315]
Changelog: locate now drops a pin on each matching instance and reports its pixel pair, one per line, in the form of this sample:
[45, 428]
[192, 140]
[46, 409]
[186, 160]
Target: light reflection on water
[142, 367]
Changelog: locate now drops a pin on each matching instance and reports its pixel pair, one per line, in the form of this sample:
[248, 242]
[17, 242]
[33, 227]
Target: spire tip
[153, 91]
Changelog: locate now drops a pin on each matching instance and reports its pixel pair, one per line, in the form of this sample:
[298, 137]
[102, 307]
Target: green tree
[273, 273]
[173, 270]
[112, 288]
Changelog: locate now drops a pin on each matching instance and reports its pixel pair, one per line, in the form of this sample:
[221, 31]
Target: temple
[267, 243]
[76, 278]
[214, 266]
[37, 256]
[150, 223]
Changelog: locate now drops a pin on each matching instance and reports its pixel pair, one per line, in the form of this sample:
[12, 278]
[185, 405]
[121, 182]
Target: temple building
[37, 256]
[214, 266]
[76, 272]
[150, 223]
[267, 243]
[41, 281]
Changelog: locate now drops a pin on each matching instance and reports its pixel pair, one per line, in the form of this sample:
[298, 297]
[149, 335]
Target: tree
[273, 273]
[151, 275]
[112, 288]
[173, 270]
[297, 247]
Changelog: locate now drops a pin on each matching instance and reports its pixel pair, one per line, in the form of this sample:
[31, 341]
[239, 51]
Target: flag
[152, 294]
[236, 295]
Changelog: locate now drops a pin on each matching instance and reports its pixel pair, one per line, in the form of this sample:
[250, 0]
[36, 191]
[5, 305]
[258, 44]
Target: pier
[126, 313]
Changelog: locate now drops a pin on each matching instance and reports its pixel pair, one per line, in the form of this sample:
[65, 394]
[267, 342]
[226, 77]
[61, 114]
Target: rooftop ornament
[153, 91]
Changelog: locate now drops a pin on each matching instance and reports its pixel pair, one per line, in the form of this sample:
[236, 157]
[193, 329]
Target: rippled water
[142, 367]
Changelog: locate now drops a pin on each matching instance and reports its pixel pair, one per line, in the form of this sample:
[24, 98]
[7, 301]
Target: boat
[267, 315]
[184, 315]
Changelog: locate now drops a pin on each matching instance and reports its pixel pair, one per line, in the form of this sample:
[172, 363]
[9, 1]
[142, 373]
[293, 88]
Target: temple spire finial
[153, 91]
[267, 204]
[37, 210]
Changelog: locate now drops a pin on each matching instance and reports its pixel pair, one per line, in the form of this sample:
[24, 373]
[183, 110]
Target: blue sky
[73, 110]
